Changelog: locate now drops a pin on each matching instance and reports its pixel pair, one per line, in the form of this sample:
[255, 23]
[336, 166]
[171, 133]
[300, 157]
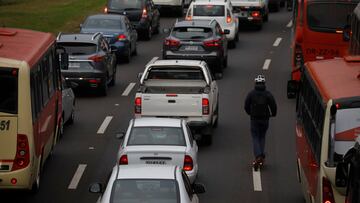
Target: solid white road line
[104, 125]
[257, 180]
[266, 64]
[277, 41]
[77, 176]
[128, 89]
[290, 24]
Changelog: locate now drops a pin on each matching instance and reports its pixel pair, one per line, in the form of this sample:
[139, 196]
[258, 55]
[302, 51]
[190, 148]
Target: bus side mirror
[292, 89]
[341, 176]
[64, 61]
[347, 33]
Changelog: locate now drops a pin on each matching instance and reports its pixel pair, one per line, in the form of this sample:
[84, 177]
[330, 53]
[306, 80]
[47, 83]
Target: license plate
[191, 48]
[160, 162]
[74, 65]
[4, 167]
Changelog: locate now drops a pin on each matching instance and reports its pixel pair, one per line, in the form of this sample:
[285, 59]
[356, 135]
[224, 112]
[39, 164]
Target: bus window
[9, 90]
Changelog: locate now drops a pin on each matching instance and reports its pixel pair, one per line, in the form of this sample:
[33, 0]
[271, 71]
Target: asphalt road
[225, 166]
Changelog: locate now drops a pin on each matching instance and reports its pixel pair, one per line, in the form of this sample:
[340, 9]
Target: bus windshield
[9, 90]
[328, 17]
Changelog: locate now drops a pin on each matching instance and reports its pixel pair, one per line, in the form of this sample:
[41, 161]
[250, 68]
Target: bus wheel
[36, 184]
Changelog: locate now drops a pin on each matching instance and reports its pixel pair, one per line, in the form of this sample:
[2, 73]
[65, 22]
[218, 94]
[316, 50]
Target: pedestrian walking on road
[259, 105]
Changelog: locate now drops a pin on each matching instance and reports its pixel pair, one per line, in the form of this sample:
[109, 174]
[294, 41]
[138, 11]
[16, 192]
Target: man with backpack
[259, 105]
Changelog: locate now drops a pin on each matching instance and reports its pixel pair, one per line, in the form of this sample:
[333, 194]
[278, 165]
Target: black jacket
[260, 103]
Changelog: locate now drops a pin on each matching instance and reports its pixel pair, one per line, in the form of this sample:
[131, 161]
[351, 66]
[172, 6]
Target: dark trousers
[258, 133]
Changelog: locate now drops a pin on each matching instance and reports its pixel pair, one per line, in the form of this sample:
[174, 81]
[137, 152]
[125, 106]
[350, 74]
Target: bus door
[8, 117]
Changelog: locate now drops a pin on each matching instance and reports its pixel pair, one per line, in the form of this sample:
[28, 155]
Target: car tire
[72, 118]
[232, 44]
[103, 88]
[148, 33]
[113, 79]
[266, 17]
[157, 28]
[135, 53]
[207, 139]
[236, 37]
[225, 63]
[127, 56]
[216, 112]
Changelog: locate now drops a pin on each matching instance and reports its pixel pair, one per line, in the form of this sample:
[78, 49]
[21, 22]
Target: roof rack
[58, 36]
[96, 34]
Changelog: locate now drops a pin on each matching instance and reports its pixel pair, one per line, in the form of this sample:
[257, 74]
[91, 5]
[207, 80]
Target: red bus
[327, 124]
[30, 105]
[318, 27]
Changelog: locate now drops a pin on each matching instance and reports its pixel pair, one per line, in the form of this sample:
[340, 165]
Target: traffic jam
[178, 99]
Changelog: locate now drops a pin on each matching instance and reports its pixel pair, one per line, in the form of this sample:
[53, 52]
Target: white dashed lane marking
[104, 125]
[257, 180]
[277, 41]
[266, 64]
[128, 89]
[77, 176]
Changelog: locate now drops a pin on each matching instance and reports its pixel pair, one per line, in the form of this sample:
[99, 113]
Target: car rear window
[96, 23]
[328, 17]
[173, 73]
[9, 90]
[156, 136]
[79, 48]
[144, 190]
[209, 10]
[192, 32]
[126, 4]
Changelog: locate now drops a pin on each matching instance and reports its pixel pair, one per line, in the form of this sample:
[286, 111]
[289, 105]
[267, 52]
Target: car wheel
[148, 33]
[232, 44]
[113, 79]
[103, 88]
[157, 28]
[72, 117]
[215, 124]
[127, 56]
[236, 37]
[206, 139]
[266, 17]
[225, 63]
[135, 51]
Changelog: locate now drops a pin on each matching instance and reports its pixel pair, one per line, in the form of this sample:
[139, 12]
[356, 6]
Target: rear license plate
[191, 48]
[74, 65]
[160, 162]
[4, 167]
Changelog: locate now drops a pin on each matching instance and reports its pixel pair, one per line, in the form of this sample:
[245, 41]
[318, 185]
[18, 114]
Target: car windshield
[9, 90]
[328, 17]
[79, 48]
[144, 190]
[192, 32]
[97, 23]
[209, 10]
[126, 4]
[156, 136]
[173, 73]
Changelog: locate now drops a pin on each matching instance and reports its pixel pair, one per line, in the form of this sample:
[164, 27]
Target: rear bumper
[22, 176]
[122, 48]
[142, 25]
[250, 20]
[85, 83]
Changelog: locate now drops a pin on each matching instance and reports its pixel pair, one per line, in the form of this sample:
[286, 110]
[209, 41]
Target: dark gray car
[92, 64]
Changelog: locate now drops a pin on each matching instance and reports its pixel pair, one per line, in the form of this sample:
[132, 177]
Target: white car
[159, 141]
[177, 4]
[221, 10]
[68, 105]
[144, 183]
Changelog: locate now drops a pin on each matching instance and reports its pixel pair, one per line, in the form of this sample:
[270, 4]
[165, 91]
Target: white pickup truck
[180, 89]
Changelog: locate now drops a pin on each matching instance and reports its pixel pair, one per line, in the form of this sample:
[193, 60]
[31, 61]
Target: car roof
[211, 2]
[177, 62]
[78, 37]
[106, 16]
[139, 171]
[202, 23]
[159, 122]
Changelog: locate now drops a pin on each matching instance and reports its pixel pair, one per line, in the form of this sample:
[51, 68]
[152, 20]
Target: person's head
[260, 82]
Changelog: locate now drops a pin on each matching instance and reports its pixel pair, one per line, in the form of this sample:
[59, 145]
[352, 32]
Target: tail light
[22, 157]
[123, 160]
[228, 18]
[328, 196]
[255, 14]
[96, 58]
[106, 10]
[299, 59]
[95, 81]
[205, 106]
[138, 105]
[188, 163]
[212, 43]
[121, 37]
[144, 13]
[172, 42]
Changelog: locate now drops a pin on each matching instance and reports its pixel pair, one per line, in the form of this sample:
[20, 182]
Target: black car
[92, 64]
[117, 30]
[198, 40]
[143, 14]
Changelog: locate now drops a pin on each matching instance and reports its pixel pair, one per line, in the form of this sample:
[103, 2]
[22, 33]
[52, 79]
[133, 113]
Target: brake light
[212, 43]
[138, 105]
[22, 157]
[299, 59]
[106, 10]
[96, 58]
[172, 42]
[121, 37]
[328, 196]
[228, 18]
[188, 163]
[123, 160]
[144, 13]
[95, 81]
[255, 14]
[205, 106]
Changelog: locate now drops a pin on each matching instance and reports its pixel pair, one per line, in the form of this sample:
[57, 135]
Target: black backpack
[259, 105]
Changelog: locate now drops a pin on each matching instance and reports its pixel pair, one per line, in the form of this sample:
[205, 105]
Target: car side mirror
[226, 31]
[96, 188]
[140, 75]
[218, 76]
[198, 188]
[120, 135]
[166, 30]
[197, 137]
[292, 89]
[341, 177]
[64, 61]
